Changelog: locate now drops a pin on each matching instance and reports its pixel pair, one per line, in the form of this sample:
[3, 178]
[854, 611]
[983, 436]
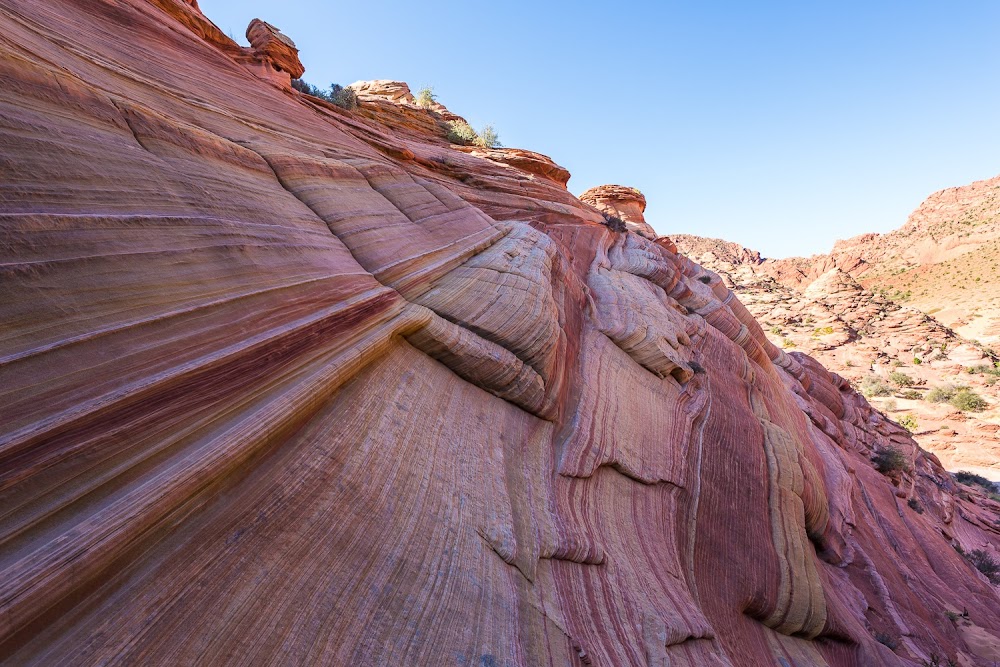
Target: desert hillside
[908, 317]
[293, 379]
[945, 260]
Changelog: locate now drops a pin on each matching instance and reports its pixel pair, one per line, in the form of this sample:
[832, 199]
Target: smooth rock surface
[286, 384]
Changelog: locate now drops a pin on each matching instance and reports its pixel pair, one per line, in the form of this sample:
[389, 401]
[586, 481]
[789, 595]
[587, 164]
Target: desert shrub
[970, 478]
[983, 561]
[488, 137]
[614, 223]
[890, 459]
[915, 505]
[953, 615]
[967, 400]
[426, 97]
[887, 640]
[849, 364]
[941, 394]
[306, 88]
[345, 98]
[776, 330]
[872, 386]
[461, 133]
[901, 379]
[705, 280]
[911, 394]
[909, 422]
[787, 343]
[983, 369]
[889, 406]
[917, 361]
[823, 331]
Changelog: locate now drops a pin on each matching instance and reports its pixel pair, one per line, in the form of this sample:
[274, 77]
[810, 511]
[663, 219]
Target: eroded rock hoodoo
[274, 51]
[623, 202]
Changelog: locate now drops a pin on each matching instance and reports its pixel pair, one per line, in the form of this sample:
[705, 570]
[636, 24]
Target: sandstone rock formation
[623, 202]
[944, 261]
[286, 384]
[274, 48]
[397, 92]
[393, 91]
[866, 336]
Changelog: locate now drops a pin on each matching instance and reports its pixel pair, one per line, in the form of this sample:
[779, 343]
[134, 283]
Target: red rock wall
[282, 384]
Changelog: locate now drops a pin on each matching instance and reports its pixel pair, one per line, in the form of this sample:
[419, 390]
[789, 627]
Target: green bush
[967, 400]
[911, 394]
[917, 361]
[909, 422]
[872, 386]
[983, 369]
[890, 459]
[971, 478]
[461, 133]
[901, 379]
[488, 137]
[305, 87]
[983, 561]
[941, 394]
[787, 343]
[344, 98]
[614, 223]
[426, 97]
[776, 330]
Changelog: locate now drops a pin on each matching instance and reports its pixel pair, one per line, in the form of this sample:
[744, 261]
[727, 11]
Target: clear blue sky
[779, 125]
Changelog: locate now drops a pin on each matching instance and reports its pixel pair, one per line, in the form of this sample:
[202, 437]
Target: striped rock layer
[282, 384]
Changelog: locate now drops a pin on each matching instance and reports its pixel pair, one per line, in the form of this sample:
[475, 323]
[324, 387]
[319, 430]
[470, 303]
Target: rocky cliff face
[624, 203]
[944, 261]
[894, 351]
[921, 301]
[286, 384]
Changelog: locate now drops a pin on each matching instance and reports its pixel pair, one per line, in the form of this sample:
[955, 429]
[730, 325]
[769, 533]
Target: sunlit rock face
[286, 384]
[275, 49]
[623, 202]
